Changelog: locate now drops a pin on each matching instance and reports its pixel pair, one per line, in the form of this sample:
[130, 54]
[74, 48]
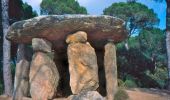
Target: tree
[27, 11]
[14, 6]
[144, 60]
[136, 15]
[61, 7]
[6, 49]
[152, 45]
[24, 11]
[168, 38]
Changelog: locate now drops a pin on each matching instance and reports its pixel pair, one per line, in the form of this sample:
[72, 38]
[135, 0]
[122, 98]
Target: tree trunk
[168, 38]
[6, 49]
[127, 45]
[110, 70]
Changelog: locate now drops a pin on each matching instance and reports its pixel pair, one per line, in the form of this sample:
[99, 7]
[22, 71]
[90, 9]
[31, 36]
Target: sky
[96, 7]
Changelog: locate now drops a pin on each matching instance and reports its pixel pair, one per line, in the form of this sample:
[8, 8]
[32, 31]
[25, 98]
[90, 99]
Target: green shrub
[121, 83]
[121, 94]
[130, 84]
[159, 75]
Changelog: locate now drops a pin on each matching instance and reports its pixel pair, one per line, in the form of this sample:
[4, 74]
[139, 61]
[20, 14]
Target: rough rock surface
[110, 65]
[44, 77]
[79, 36]
[21, 82]
[55, 28]
[83, 66]
[41, 45]
[90, 95]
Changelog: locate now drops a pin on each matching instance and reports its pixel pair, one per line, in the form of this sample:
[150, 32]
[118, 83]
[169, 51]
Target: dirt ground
[148, 94]
[134, 94]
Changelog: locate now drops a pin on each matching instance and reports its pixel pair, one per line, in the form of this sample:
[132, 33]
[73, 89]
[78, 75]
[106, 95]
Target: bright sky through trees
[95, 7]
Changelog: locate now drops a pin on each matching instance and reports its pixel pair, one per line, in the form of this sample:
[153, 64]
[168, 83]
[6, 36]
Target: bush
[159, 75]
[121, 83]
[130, 84]
[121, 94]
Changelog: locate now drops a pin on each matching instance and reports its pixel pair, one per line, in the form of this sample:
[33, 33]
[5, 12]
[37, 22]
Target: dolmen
[55, 48]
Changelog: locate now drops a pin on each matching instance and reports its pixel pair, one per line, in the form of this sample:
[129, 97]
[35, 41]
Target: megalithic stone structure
[110, 66]
[53, 31]
[21, 81]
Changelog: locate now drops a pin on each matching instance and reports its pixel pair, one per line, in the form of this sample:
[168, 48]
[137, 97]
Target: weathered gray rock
[83, 66]
[44, 77]
[90, 95]
[41, 45]
[110, 65]
[21, 82]
[79, 36]
[55, 28]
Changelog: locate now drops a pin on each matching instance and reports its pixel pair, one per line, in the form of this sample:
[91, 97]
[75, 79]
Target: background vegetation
[142, 60]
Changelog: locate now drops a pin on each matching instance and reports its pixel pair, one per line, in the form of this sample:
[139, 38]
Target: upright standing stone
[21, 82]
[44, 75]
[41, 45]
[110, 70]
[82, 64]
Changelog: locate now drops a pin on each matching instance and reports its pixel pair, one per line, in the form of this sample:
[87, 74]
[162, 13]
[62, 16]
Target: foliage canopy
[61, 7]
[144, 65]
[28, 11]
[136, 15]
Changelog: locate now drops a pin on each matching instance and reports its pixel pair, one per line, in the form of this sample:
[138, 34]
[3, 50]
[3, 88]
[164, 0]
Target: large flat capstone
[55, 28]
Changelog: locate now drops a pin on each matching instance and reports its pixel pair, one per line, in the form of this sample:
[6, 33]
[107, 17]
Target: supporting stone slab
[83, 66]
[44, 75]
[21, 82]
[110, 70]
